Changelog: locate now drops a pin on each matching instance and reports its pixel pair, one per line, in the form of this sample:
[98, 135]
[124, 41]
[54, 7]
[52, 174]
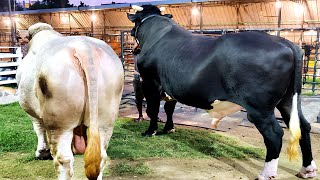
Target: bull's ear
[132, 17]
[168, 15]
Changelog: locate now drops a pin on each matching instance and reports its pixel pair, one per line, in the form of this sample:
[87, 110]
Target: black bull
[252, 69]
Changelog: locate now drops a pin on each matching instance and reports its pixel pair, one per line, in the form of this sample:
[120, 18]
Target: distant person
[23, 40]
[137, 84]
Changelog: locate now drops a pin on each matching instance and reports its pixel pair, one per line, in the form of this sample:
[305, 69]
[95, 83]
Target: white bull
[66, 82]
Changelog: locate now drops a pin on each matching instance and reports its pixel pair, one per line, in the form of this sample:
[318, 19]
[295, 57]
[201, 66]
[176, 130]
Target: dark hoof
[168, 131]
[163, 132]
[44, 155]
[149, 133]
[139, 119]
[160, 120]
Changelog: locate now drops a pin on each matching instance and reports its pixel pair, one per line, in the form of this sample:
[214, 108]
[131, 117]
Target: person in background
[137, 84]
[23, 40]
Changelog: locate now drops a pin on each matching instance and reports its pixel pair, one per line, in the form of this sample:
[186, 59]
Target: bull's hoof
[307, 175]
[264, 178]
[44, 155]
[160, 120]
[149, 133]
[308, 172]
[139, 119]
[168, 131]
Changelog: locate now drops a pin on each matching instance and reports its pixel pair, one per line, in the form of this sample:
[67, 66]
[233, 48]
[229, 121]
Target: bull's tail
[92, 155]
[294, 124]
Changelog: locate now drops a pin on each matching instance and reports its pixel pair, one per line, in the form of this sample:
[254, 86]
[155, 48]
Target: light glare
[64, 20]
[194, 11]
[298, 9]
[7, 21]
[278, 4]
[93, 17]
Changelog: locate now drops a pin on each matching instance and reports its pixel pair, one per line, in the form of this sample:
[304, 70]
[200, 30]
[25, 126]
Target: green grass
[18, 143]
[128, 143]
[126, 168]
[16, 133]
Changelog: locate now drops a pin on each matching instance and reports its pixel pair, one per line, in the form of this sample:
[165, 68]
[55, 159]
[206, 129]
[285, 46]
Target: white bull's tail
[294, 128]
[92, 155]
[294, 124]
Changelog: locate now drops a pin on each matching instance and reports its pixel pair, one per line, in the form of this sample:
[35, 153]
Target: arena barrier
[10, 58]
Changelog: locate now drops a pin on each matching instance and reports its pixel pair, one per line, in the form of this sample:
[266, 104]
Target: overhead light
[64, 20]
[194, 11]
[93, 17]
[16, 19]
[278, 4]
[7, 21]
[162, 9]
[298, 9]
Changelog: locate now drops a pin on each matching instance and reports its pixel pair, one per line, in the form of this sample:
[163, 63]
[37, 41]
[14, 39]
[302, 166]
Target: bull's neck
[153, 30]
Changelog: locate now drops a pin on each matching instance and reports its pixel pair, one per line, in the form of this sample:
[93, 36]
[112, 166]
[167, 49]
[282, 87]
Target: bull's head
[143, 12]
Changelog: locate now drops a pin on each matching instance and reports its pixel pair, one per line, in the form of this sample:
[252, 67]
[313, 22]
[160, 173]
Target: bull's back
[228, 67]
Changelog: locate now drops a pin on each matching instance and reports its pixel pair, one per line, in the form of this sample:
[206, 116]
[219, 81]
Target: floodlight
[278, 4]
[7, 21]
[64, 20]
[93, 17]
[194, 11]
[298, 9]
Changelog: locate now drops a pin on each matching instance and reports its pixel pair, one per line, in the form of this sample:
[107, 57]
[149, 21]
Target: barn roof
[216, 14]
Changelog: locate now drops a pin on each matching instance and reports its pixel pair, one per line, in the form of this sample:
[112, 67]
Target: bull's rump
[197, 70]
[61, 86]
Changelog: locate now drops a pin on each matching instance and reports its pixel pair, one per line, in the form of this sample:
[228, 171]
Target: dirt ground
[220, 169]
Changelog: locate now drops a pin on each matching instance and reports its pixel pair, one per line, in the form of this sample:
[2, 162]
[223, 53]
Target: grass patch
[15, 166]
[16, 133]
[18, 143]
[127, 168]
[128, 143]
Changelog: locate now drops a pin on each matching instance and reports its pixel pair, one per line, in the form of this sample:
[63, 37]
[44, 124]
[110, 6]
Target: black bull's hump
[251, 67]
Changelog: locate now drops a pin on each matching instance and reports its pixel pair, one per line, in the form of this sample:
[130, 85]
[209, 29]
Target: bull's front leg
[152, 94]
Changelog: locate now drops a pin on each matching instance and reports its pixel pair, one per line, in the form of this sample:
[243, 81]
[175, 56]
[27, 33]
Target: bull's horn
[137, 8]
[162, 9]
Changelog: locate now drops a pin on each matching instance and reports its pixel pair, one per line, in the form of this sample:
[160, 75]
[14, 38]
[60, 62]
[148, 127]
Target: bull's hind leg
[272, 134]
[169, 109]
[60, 143]
[43, 150]
[105, 135]
[309, 167]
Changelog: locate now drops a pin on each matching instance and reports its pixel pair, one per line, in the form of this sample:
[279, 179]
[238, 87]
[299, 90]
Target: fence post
[122, 46]
[315, 63]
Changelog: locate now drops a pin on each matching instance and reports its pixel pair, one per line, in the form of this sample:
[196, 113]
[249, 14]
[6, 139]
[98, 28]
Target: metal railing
[9, 61]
